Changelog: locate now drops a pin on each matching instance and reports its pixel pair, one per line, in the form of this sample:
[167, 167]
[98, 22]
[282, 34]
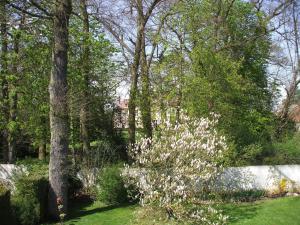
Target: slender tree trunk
[59, 110]
[42, 150]
[133, 85]
[180, 81]
[145, 97]
[84, 109]
[4, 83]
[72, 134]
[43, 139]
[13, 99]
[291, 90]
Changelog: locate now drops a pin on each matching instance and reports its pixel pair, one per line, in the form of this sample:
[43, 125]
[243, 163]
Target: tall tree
[59, 109]
[132, 37]
[4, 83]
[145, 94]
[288, 58]
[84, 106]
[13, 91]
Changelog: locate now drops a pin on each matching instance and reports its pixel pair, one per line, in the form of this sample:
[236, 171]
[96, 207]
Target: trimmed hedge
[30, 200]
[6, 215]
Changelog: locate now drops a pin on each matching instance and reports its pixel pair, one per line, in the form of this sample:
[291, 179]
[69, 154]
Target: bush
[285, 152]
[30, 199]
[111, 188]
[175, 168]
[5, 212]
[35, 166]
[243, 196]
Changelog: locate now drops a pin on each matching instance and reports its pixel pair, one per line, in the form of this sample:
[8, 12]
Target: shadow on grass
[240, 212]
[79, 209]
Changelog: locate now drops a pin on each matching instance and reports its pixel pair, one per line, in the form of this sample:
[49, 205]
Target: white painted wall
[259, 178]
[232, 179]
[7, 171]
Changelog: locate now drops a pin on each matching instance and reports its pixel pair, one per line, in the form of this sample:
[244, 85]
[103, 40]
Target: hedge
[30, 199]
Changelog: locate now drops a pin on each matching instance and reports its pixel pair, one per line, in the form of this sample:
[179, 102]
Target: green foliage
[30, 199]
[111, 188]
[250, 154]
[286, 151]
[242, 196]
[228, 73]
[35, 166]
[105, 151]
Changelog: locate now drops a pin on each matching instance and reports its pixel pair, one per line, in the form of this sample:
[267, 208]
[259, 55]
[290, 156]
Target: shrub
[30, 199]
[111, 188]
[243, 195]
[286, 151]
[174, 170]
[35, 166]
[5, 212]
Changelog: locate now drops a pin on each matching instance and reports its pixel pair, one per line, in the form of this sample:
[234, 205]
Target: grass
[281, 211]
[97, 213]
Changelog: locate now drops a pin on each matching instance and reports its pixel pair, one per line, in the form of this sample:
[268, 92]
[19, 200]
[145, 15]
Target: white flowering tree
[175, 168]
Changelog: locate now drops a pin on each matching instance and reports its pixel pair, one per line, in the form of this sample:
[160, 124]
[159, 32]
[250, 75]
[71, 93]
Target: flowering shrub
[175, 168]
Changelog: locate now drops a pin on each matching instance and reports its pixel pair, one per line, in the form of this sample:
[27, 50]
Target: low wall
[269, 178]
[7, 171]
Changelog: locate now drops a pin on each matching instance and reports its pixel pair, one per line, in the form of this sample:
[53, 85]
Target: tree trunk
[180, 80]
[72, 135]
[13, 99]
[4, 83]
[42, 150]
[145, 97]
[84, 109]
[13, 130]
[59, 110]
[43, 138]
[133, 84]
[291, 90]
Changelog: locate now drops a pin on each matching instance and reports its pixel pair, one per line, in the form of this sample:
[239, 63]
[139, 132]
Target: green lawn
[282, 211]
[99, 214]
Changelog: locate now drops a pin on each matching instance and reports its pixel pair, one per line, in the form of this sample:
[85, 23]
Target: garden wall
[269, 178]
[8, 170]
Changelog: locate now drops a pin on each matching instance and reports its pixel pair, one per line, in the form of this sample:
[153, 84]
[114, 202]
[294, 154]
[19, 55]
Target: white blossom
[174, 168]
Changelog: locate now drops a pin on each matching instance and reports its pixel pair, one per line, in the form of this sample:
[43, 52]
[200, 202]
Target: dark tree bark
[4, 83]
[84, 109]
[59, 110]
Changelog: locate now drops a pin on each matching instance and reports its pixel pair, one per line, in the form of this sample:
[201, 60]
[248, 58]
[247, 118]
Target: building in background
[294, 115]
